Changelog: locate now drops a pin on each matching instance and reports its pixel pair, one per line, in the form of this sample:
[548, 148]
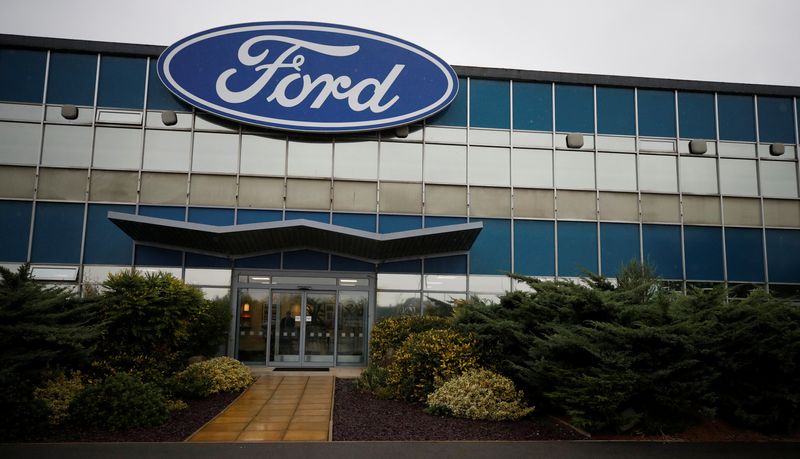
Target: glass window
[263, 155]
[577, 248]
[159, 97]
[775, 119]
[356, 160]
[497, 284]
[221, 277]
[531, 168]
[615, 111]
[455, 264]
[105, 242]
[489, 166]
[574, 169]
[22, 75]
[737, 120]
[662, 249]
[616, 172]
[305, 259]
[658, 173]
[67, 146]
[14, 229]
[489, 104]
[117, 148]
[491, 252]
[121, 82]
[696, 115]
[533, 106]
[738, 177]
[399, 281]
[71, 78]
[215, 152]
[310, 159]
[574, 108]
[698, 175]
[393, 304]
[782, 249]
[20, 143]
[57, 233]
[445, 164]
[167, 150]
[534, 248]
[456, 113]
[619, 245]
[444, 282]
[401, 161]
[778, 179]
[745, 254]
[656, 113]
[703, 252]
[364, 222]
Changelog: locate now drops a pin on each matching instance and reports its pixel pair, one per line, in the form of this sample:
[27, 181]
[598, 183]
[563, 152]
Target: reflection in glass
[352, 326]
[253, 324]
[286, 317]
[393, 304]
[319, 332]
[440, 304]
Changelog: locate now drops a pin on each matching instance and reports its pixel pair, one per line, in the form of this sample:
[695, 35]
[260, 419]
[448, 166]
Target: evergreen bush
[220, 374]
[388, 334]
[119, 402]
[57, 394]
[479, 394]
[427, 359]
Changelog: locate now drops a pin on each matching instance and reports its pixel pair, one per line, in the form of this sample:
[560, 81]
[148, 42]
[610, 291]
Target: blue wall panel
[305, 259]
[662, 249]
[271, 261]
[71, 78]
[209, 216]
[15, 225]
[153, 256]
[395, 223]
[57, 233]
[491, 253]
[696, 115]
[574, 108]
[775, 119]
[534, 248]
[349, 264]
[703, 251]
[121, 82]
[22, 75]
[106, 244]
[489, 104]
[745, 254]
[577, 248]
[533, 106]
[737, 119]
[615, 111]
[245, 216]
[322, 217]
[656, 113]
[159, 97]
[431, 222]
[783, 254]
[619, 245]
[453, 264]
[363, 222]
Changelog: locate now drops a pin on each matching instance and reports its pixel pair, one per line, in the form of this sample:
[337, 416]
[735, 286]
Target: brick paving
[275, 408]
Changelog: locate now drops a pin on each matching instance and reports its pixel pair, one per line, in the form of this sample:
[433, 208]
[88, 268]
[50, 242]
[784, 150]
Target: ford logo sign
[307, 76]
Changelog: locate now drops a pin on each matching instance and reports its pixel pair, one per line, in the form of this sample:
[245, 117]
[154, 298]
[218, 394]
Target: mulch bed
[359, 416]
[181, 424]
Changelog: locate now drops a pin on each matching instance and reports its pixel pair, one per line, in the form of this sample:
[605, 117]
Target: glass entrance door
[303, 328]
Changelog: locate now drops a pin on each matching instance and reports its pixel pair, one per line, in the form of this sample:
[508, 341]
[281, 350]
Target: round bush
[220, 374]
[58, 393]
[389, 334]
[479, 394]
[120, 402]
[425, 360]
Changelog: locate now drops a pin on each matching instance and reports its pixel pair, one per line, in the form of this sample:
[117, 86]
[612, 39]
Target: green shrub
[220, 374]
[425, 360]
[479, 394]
[21, 414]
[209, 328]
[57, 394]
[176, 405]
[119, 402]
[373, 380]
[389, 334]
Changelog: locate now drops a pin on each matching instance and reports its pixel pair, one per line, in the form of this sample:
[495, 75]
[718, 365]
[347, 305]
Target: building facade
[565, 173]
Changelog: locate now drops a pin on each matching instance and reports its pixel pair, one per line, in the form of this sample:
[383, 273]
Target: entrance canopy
[240, 241]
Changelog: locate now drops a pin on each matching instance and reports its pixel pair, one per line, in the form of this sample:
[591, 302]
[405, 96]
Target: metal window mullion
[677, 121]
[719, 192]
[596, 185]
[331, 195]
[285, 188]
[238, 173]
[796, 145]
[761, 194]
[638, 183]
[39, 159]
[188, 186]
[469, 197]
[88, 177]
[424, 200]
[510, 171]
[141, 156]
[553, 175]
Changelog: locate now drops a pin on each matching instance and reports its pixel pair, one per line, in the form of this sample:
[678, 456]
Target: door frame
[301, 281]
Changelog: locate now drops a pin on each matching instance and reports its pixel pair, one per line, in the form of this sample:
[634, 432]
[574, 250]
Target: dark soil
[710, 430]
[359, 416]
[181, 424]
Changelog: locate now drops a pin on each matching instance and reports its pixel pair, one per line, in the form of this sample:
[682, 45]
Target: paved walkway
[275, 408]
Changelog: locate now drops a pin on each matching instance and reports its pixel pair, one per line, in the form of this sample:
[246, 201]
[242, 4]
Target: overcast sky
[746, 41]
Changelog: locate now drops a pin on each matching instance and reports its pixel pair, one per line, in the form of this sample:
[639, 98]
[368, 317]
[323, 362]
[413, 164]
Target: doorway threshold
[300, 369]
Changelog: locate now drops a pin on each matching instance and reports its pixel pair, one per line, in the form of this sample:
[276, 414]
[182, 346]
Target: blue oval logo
[307, 76]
